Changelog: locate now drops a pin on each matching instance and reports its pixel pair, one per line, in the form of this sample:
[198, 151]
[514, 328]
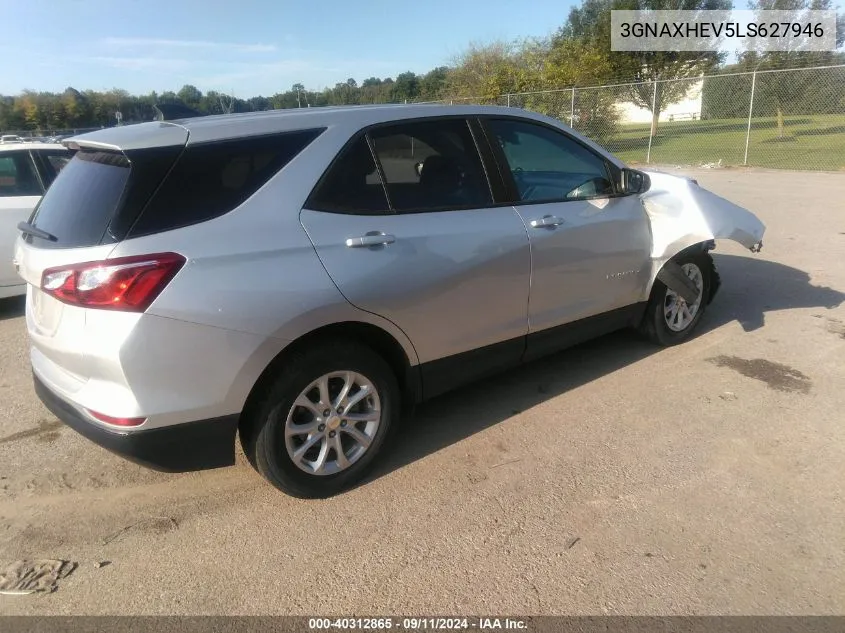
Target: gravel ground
[612, 478]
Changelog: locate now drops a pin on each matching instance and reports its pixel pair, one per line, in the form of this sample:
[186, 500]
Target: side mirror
[418, 168]
[633, 181]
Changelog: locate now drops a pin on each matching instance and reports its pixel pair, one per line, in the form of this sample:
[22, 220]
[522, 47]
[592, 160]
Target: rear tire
[668, 319]
[302, 437]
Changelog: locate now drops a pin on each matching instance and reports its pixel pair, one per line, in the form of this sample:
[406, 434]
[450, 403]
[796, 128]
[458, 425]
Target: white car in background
[26, 170]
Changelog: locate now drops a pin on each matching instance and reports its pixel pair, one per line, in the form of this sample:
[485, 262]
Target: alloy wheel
[332, 422]
[676, 311]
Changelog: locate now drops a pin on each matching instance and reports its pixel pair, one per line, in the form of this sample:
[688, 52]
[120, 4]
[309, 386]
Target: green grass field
[811, 142]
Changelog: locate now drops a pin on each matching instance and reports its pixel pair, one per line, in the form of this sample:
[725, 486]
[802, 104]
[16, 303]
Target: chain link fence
[784, 119]
[787, 119]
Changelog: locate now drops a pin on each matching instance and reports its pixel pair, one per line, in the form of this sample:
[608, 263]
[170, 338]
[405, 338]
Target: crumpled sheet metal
[682, 214]
[33, 576]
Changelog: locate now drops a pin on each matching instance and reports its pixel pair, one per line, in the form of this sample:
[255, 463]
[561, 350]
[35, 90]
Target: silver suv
[303, 277]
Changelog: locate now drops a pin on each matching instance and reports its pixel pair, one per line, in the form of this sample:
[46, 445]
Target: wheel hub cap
[676, 311]
[332, 423]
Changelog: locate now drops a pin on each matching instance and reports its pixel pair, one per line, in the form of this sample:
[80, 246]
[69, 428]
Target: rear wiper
[27, 229]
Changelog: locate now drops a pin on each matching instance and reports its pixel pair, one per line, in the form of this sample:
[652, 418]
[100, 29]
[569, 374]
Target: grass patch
[811, 142]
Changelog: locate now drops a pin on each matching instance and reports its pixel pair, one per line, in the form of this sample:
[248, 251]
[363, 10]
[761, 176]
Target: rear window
[81, 202]
[57, 160]
[101, 197]
[211, 179]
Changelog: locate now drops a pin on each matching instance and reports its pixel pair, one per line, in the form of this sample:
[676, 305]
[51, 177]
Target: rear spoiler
[131, 137]
[173, 111]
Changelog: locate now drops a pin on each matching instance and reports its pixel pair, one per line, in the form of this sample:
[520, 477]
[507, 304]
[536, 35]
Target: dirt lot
[612, 478]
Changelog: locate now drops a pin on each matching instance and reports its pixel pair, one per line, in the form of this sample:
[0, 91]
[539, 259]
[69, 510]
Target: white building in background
[688, 108]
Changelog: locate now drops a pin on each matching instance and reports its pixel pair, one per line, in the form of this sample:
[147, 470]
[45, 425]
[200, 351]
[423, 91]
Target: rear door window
[431, 165]
[422, 166]
[17, 175]
[351, 185]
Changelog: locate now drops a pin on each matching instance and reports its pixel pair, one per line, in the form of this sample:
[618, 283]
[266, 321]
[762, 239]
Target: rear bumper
[177, 448]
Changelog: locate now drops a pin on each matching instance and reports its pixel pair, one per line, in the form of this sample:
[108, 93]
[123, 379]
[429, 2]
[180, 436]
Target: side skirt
[560, 337]
[445, 374]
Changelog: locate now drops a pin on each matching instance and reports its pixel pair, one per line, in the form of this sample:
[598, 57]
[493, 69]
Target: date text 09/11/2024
[416, 624]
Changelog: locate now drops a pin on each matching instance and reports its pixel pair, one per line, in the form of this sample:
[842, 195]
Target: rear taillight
[102, 417]
[129, 284]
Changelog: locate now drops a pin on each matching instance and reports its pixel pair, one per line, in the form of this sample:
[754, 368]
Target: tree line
[577, 54]
[73, 108]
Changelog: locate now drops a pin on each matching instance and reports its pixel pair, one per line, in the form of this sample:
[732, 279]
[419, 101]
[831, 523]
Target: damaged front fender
[682, 214]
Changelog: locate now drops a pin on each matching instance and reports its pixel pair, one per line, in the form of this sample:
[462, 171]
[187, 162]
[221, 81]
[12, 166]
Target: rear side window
[210, 179]
[17, 175]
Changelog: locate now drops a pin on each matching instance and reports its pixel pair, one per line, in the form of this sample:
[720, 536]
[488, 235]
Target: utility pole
[227, 103]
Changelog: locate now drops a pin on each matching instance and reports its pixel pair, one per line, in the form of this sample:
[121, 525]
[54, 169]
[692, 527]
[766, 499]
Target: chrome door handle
[547, 221]
[370, 239]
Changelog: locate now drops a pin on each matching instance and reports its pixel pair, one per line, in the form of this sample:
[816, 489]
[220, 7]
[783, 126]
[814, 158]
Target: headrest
[441, 172]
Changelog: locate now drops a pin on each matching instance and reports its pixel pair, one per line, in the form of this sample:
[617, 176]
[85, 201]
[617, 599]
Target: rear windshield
[57, 160]
[81, 201]
[101, 197]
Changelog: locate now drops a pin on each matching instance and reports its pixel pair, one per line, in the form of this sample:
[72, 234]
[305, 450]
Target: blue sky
[247, 46]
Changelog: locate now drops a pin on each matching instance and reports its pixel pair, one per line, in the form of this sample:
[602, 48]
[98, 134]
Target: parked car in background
[26, 170]
[10, 138]
[300, 277]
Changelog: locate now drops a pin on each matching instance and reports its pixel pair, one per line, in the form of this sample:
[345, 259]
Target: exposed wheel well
[702, 247]
[715, 280]
[373, 336]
